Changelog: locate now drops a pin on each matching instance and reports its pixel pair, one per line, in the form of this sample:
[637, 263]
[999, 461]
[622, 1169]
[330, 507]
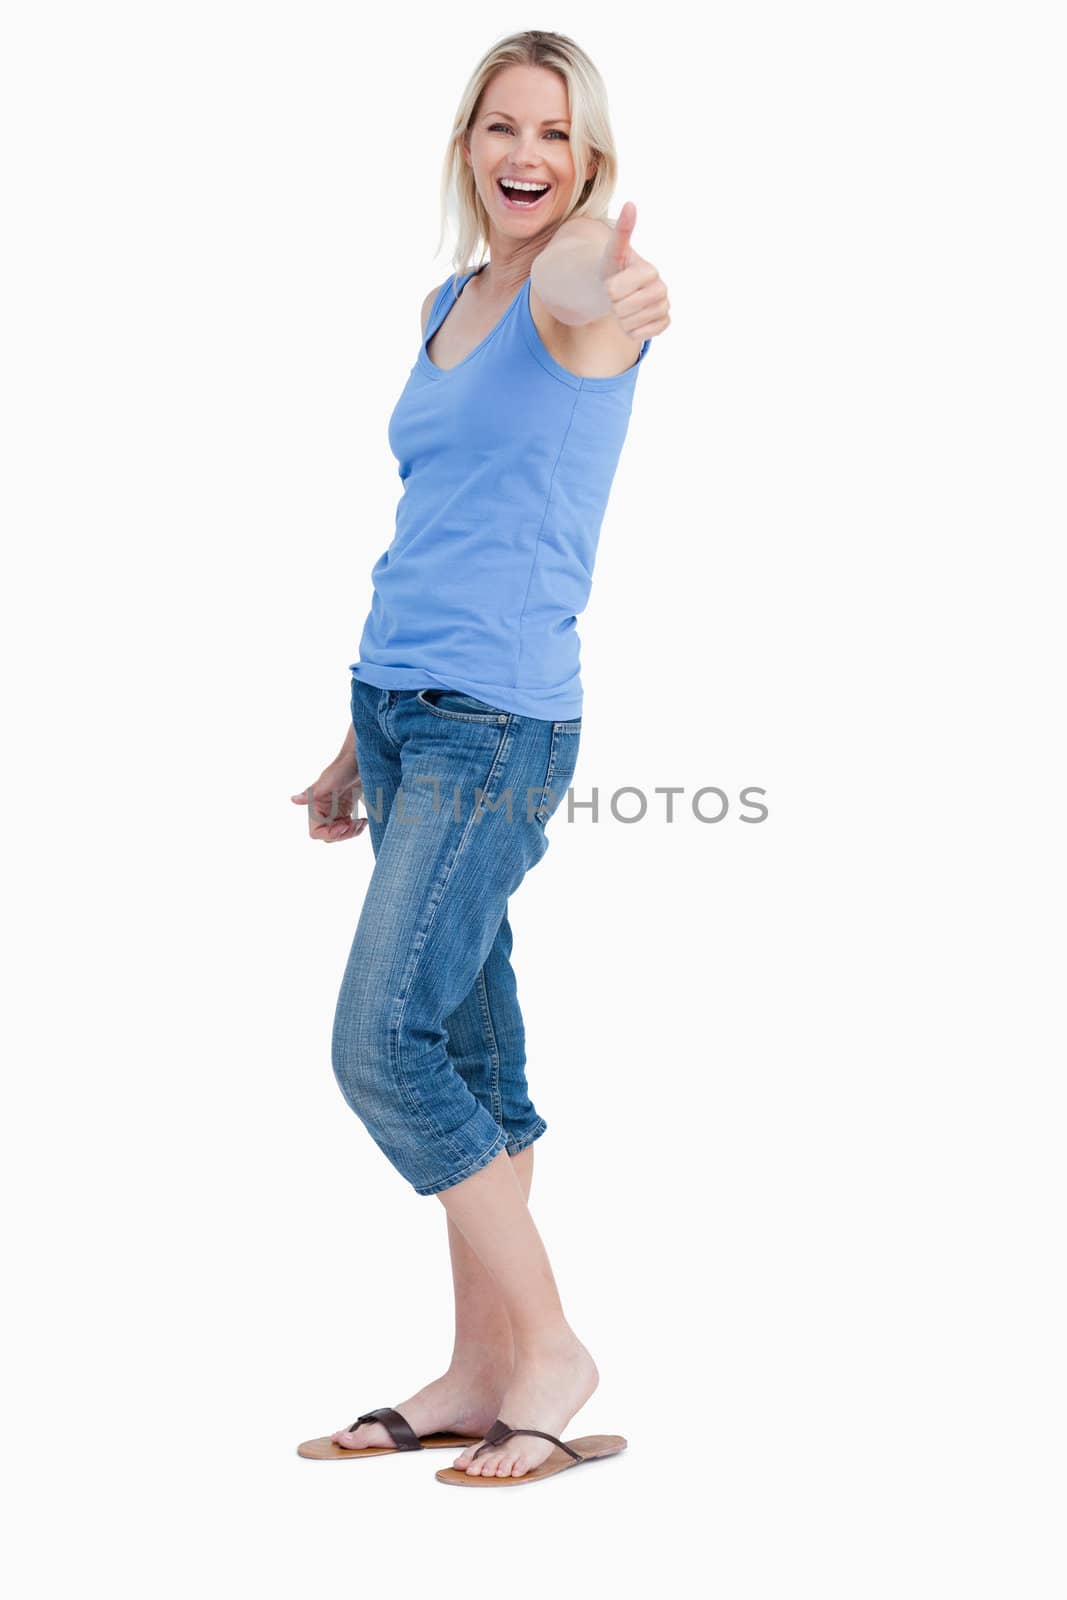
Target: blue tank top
[507, 461]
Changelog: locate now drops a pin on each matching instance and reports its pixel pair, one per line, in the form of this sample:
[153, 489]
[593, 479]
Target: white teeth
[513, 183]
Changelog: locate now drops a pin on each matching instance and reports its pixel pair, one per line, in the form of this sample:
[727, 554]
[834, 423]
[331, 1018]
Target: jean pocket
[562, 761]
[460, 707]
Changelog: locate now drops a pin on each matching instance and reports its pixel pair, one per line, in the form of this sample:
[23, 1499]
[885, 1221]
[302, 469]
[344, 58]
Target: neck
[509, 264]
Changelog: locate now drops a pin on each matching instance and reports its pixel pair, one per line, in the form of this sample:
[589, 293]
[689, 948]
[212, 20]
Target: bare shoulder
[427, 307]
[597, 349]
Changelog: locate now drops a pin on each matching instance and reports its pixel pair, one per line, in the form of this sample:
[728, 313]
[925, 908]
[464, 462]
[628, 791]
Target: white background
[803, 1185]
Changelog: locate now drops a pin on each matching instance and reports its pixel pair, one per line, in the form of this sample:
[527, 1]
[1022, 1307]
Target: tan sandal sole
[592, 1448]
[326, 1450]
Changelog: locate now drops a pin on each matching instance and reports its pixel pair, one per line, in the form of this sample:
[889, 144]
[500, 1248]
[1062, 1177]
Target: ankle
[555, 1342]
[481, 1369]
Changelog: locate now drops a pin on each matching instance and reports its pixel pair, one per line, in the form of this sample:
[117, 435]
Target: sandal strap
[500, 1431]
[400, 1431]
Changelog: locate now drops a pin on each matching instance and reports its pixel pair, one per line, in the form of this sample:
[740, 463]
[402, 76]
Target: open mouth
[523, 199]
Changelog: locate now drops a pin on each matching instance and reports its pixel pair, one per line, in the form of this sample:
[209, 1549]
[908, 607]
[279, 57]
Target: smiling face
[521, 132]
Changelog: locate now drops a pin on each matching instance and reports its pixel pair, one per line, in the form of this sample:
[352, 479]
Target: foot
[457, 1402]
[545, 1392]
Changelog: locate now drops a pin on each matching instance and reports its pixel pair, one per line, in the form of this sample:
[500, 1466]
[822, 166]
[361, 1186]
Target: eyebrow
[507, 114]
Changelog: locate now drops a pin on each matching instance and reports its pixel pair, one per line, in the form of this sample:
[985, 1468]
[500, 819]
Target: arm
[331, 797]
[346, 756]
[566, 275]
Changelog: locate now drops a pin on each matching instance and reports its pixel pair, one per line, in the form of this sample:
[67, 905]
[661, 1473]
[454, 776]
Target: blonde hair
[590, 137]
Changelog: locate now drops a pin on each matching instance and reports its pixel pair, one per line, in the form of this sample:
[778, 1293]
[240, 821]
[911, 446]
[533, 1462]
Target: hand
[330, 801]
[638, 293]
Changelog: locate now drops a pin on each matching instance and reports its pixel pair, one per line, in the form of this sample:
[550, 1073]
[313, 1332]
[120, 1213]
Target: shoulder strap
[444, 300]
[442, 305]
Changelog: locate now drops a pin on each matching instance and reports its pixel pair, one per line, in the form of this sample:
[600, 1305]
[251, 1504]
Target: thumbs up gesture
[638, 293]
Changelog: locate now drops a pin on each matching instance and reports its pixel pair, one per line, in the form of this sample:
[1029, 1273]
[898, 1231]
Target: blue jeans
[428, 1045]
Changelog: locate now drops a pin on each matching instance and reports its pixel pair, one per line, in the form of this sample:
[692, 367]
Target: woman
[466, 719]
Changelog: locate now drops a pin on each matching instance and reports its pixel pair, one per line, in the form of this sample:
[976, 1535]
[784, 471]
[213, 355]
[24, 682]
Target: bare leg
[466, 1398]
[483, 1330]
[553, 1374]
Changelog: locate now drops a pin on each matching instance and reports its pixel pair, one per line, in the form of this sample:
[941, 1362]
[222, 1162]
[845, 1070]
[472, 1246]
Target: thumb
[624, 227]
[300, 799]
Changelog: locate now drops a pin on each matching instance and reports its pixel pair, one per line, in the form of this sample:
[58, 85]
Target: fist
[638, 294]
[330, 802]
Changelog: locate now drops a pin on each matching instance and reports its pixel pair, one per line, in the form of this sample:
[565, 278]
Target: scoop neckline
[535, 343]
[446, 372]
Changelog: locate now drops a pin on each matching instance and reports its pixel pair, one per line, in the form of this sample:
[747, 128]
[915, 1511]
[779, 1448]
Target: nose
[527, 154]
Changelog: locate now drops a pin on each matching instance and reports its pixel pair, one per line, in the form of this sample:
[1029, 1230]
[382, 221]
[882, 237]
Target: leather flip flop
[399, 1430]
[569, 1454]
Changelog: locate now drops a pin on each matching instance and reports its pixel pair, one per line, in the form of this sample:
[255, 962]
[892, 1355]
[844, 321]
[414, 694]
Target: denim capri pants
[428, 1043]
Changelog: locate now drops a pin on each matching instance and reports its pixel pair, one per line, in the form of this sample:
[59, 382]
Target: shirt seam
[540, 533]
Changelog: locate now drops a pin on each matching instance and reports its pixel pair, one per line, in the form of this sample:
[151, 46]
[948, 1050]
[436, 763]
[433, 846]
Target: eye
[504, 128]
